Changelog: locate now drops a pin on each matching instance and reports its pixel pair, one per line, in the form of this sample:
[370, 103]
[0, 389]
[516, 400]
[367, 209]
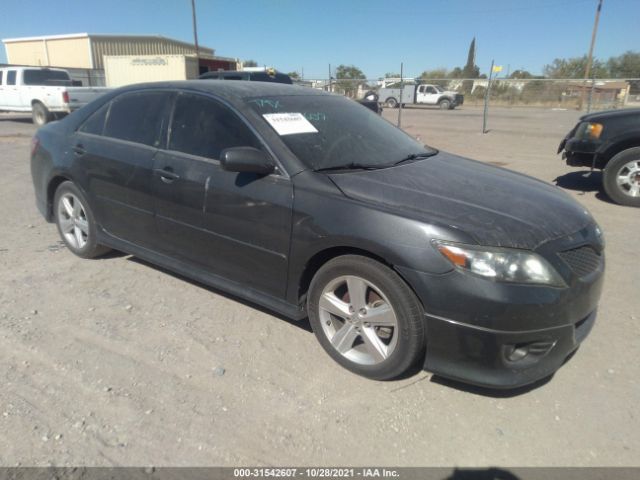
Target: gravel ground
[116, 362]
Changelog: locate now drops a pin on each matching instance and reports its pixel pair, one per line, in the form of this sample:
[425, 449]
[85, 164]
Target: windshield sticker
[289, 123]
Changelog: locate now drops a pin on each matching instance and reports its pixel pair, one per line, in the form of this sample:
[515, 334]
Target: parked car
[609, 141]
[310, 205]
[45, 92]
[258, 75]
[420, 94]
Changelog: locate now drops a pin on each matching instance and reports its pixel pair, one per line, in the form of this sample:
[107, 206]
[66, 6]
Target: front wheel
[366, 317]
[622, 177]
[76, 223]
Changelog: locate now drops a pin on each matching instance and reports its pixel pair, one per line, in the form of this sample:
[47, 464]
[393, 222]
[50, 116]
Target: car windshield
[327, 131]
[45, 77]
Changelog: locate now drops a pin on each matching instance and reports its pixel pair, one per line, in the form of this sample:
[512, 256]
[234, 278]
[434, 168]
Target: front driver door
[235, 225]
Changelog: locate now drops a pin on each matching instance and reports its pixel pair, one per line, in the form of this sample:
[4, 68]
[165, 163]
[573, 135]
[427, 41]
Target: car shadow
[584, 181]
[491, 473]
[487, 391]
[4, 118]
[302, 324]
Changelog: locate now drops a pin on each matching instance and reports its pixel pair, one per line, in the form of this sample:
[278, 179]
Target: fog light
[532, 351]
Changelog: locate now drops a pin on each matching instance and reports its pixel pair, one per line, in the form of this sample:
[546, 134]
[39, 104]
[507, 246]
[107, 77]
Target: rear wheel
[40, 114]
[622, 177]
[76, 223]
[391, 102]
[366, 317]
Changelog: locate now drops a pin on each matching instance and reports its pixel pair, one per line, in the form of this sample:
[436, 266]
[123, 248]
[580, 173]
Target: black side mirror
[247, 160]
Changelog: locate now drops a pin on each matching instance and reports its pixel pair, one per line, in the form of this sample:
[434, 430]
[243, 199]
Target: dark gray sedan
[311, 205]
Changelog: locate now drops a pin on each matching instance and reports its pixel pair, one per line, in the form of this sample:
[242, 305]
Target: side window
[95, 123]
[11, 77]
[431, 90]
[138, 117]
[421, 88]
[1, 76]
[203, 127]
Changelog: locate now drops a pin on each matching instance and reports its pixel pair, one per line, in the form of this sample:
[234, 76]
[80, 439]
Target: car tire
[76, 222]
[381, 333]
[40, 114]
[391, 102]
[444, 104]
[622, 177]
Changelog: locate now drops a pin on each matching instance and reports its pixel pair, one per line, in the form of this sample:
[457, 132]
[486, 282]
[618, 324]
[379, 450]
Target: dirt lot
[116, 362]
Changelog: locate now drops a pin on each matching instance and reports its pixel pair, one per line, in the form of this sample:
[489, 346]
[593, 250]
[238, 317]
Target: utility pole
[587, 69]
[195, 31]
[330, 88]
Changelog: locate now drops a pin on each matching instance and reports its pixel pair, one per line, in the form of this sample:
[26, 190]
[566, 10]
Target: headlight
[589, 130]
[501, 264]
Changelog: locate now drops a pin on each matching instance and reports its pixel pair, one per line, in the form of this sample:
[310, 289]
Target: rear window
[138, 117]
[44, 77]
[95, 123]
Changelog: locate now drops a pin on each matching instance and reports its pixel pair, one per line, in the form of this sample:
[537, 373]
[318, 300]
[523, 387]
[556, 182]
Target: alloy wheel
[628, 178]
[358, 320]
[73, 221]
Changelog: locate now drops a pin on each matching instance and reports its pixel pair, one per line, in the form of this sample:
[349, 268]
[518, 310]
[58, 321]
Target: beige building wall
[87, 51]
[69, 52]
[112, 46]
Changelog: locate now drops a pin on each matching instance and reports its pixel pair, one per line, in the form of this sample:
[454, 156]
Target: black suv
[609, 141]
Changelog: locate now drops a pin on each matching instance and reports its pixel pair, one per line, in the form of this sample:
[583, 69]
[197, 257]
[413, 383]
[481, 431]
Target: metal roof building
[85, 50]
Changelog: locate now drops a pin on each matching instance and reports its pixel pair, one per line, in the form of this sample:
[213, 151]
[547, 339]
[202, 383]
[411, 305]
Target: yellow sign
[497, 68]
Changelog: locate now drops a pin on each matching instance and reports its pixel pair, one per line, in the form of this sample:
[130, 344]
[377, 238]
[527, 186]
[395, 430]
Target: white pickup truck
[45, 92]
[420, 94]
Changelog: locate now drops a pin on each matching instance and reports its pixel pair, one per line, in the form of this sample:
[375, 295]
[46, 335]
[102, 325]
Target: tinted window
[44, 77]
[138, 117]
[203, 127]
[11, 77]
[1, 76]
[431, 90]
[95, 123]
[233, 77]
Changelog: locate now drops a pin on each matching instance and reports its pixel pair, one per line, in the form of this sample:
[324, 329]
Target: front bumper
[500, 359]
[505, 335]
[581, 153]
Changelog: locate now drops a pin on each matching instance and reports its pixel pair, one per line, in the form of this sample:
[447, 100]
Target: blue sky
[373, 35]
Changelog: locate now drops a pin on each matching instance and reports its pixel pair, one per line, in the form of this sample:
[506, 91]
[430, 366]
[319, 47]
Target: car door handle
[79, 149]
[167, 176]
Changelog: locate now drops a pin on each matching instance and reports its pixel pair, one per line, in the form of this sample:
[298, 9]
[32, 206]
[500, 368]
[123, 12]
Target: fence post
[400, 104]
[486, 101]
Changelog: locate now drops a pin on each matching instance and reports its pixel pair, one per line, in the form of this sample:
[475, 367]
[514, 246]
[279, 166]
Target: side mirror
[247, 160]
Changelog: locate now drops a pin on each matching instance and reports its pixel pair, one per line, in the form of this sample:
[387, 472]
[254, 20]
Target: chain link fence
[590, 95]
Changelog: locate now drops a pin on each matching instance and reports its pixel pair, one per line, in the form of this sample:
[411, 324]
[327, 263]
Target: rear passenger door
[231, 224]
[116, 147]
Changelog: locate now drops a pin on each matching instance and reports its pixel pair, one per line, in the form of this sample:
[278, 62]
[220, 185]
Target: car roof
[233, 90]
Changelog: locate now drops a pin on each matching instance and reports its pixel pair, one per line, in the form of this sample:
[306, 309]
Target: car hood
[497, 207]
[604, 115]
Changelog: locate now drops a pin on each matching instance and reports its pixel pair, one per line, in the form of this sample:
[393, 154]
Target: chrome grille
[582, 260]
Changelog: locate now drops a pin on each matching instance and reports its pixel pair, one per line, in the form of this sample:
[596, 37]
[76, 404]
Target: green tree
[250, 63]
[626, 65]
[519, 74]
[294, 75]
[574, 68]
[348, 78]
[471, 70]
[391, 75]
